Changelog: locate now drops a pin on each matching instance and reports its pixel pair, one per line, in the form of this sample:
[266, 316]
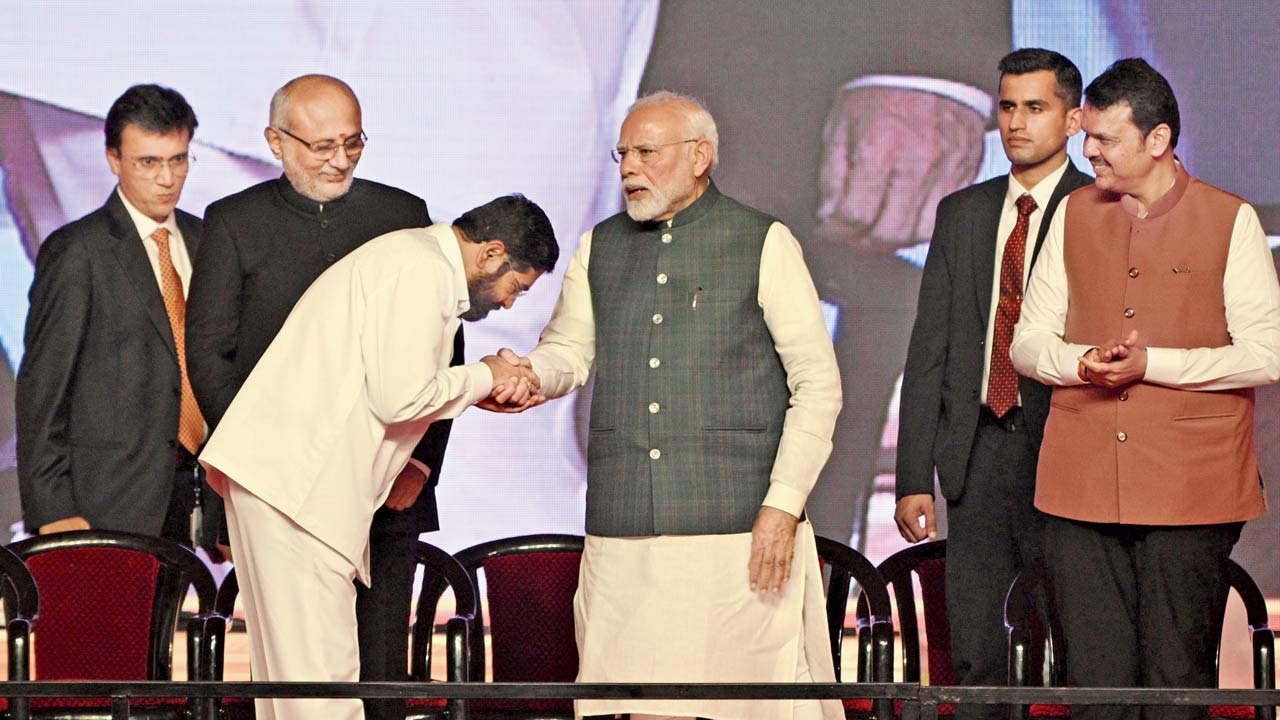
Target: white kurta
[680, 608]
[332, 411]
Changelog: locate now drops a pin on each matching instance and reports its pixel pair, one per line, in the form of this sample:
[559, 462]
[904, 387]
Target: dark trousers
[1140, 606]
[189, 488]
[994, 531]
[382, 610]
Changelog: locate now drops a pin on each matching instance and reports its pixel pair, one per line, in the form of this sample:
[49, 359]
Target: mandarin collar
[691, 214]
[305, 204]
[1166, 202]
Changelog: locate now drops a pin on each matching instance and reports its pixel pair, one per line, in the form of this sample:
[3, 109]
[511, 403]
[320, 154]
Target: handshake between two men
[516, 386]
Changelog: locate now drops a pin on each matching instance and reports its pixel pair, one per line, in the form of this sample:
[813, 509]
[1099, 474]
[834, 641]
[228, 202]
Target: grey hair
[280, 100]
[698, 123]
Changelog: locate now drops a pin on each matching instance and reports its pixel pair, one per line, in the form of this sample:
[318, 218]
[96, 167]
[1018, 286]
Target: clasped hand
[516, 386]
[1115, 362]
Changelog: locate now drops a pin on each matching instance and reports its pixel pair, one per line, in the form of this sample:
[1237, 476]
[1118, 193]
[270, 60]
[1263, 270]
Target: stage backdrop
[464, 101]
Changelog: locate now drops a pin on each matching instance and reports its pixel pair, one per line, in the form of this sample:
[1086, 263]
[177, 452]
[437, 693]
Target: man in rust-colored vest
[1154, 310]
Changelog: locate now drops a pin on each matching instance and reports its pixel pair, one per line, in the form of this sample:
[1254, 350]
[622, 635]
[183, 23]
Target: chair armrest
[1264, 659]
[206, 637]
[211, 633]
[458, 632]
[1019, 670]
[458, 653]
[19, 634]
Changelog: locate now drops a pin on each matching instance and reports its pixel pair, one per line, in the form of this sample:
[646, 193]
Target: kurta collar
[448, 241]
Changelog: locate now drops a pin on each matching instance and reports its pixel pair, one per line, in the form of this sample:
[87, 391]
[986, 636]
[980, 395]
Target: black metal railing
[918, 701]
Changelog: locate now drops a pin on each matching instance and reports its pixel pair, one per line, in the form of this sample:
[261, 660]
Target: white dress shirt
[787, 296]
[177, 245]
[1250, 293]
[1008, 218]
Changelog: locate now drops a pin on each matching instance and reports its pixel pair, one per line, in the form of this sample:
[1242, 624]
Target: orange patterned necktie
[1002, 385]
[190, 422]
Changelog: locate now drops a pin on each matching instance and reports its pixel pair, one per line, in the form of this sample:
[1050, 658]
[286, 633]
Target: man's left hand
[773, 542]
[405, 489]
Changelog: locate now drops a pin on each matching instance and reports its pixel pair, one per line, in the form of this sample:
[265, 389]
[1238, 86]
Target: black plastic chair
[109, 604]
[21, 610]
[873, 618]
[1024, 637]
[529, 589]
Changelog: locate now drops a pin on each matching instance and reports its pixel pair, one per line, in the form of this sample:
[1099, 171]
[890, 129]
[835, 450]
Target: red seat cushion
[95, 613]
[531, 619]
[95, 620]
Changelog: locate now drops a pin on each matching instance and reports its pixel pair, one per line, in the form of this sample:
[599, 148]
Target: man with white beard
[715, 395]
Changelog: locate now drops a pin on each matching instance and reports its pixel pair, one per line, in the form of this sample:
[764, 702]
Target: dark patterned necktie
[1002, 385]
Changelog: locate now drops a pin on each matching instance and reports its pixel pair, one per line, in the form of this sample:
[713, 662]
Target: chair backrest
[874, 614]
[928, 562]
[109, 603]
[530, 582]
[441, 570]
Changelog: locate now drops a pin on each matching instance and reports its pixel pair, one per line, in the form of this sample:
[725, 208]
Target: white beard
[658, 202]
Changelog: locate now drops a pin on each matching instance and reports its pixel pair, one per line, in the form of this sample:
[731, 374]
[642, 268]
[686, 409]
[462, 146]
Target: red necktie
[1002, 385]
[190, 421]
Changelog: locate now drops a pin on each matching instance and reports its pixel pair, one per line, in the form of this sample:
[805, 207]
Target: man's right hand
[64, 525]
[908, 513]
[515, 384]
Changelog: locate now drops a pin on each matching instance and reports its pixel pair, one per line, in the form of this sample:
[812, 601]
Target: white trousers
[299, 606]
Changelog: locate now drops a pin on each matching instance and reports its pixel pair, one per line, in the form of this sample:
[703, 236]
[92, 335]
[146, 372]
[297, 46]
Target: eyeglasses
[325, 149]
[521, 290]
[150, 166]
[646, 154]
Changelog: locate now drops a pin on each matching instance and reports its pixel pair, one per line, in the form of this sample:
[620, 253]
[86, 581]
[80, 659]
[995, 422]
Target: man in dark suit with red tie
[107, 424]
[964, 411]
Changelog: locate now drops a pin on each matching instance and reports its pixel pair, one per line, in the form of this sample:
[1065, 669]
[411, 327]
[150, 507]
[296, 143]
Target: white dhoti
[679, 608]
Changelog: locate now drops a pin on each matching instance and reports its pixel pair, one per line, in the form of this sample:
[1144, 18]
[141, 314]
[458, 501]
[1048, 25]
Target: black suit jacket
[263, 248]
[99, 387]
[942, 383]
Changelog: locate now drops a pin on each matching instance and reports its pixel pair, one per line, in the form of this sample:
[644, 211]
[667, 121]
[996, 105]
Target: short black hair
[1029, 60]
[520, 224]
[1134, 81]
[153, 108]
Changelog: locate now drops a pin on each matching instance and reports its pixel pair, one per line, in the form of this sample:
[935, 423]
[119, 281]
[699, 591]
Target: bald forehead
[320, 90]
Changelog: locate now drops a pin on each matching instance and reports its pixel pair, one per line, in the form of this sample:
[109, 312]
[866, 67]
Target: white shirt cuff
[1163, 367]
[785, 498]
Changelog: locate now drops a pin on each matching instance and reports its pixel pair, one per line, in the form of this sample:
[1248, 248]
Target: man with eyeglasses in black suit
[266, 245]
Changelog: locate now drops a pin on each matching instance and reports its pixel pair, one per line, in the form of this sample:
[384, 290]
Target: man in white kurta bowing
[715, 395]
[308, 449]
